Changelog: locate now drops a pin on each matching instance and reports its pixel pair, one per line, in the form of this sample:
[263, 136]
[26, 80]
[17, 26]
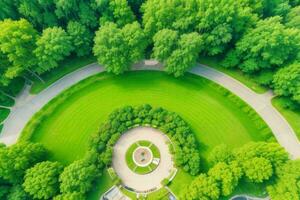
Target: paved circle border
[149, 162]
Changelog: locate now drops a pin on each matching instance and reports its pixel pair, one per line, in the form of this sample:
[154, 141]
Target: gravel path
[27, 105]
[146, 182]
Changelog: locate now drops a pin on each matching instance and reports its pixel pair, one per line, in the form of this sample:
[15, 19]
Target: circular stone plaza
[143, 156]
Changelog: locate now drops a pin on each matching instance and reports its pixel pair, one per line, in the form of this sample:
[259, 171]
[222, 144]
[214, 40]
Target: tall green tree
[258, 169]
[179, 15]
[118, 12]
[17, 42]
[52, 46]
[268, 45]
[70, 196]
[185, 56]
[165, 42]
[41, 181]
[287, 186]
[287, 81]
[78, 177]
[80, 37]
[39, 13]
[203, 187]
[136, 40]
[16, 159]
[117, 49]
[221, 21]
[8, 9]
[292, 19]
[227, 176]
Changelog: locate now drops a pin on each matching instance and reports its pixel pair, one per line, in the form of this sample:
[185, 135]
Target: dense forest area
[258, 37]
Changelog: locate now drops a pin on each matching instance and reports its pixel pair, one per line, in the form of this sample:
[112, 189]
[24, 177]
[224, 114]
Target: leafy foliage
[52, 46]
[80, 37]
[117, 49]
[288, 185]
[268, 45]
[186, 150]
[258, 169]
[14, 160]
[17, 42]
[185, 56]
[119, 12]
[287, 81]
[41, 181]
[77, 177]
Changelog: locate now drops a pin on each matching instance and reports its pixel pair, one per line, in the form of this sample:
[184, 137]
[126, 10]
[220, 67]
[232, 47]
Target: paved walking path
[145, 182]
[27, 105]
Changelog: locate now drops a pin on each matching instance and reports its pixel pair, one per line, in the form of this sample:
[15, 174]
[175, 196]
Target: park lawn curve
[65, 125]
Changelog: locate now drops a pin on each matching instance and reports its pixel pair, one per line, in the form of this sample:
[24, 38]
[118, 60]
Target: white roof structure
[114, 194]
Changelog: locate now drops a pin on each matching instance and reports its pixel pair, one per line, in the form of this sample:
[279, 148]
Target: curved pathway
[146, 182]
[27, 105]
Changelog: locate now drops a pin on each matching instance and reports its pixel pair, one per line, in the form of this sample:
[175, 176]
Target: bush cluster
[183, 146]
[254, 162]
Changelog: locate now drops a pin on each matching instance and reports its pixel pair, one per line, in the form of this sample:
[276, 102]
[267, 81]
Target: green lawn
[130, 162]
[65, 67]
[235, 73]
[292, 116]
[214, 115]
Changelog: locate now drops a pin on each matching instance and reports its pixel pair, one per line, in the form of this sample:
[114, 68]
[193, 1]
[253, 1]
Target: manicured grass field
[214, 116]
[292, 116]
[65, 67]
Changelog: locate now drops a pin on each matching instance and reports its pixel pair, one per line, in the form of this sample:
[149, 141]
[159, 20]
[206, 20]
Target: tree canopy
[52, 46]
[41, 181]
[117, 49]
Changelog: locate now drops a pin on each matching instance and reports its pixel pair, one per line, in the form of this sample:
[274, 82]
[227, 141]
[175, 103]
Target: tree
[221, 153]
[136, 40]
[203, 187]
[17, 42]
[124, 46]
[111, 49]
[258, 169]
[39, 13]
[8, 10]
[119, 12]
[292, 19]
[17, 193]
[15, 159]
[165, 42]
[78, 177]
[185, 56]
[227, 176]
[70, 196]
[269, 45]
[287, 81]
[52, 46]
[80, 37]
[273, 152]
[287, 185]
[41, 181]
[179, 15]
[227, 21]
[135, 6]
